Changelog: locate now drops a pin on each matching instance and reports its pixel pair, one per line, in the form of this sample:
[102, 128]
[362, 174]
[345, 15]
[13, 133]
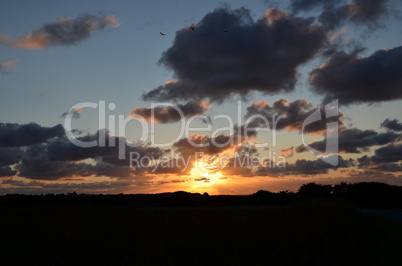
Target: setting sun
[208, 172]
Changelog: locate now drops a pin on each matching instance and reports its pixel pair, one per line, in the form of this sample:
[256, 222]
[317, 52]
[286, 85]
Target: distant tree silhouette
[340, 189]
[375, 194]
[366, 194]
[315, 190]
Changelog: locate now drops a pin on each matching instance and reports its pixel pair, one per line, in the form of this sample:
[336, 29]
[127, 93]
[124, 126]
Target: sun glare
[208, 172]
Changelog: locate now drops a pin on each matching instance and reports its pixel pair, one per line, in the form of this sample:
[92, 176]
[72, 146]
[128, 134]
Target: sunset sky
[212, 61]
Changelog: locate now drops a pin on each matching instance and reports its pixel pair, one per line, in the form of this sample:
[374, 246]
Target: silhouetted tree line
[363, 194]
[369, 194]
[175, 199]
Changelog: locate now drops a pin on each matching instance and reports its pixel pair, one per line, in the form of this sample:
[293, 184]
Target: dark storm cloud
[42, 153]
[335, 12]
[355, 141]
[304, 167]
[390, 167]
[7, 171]
[207, 145]
[9, 157]
[64, 31]
[389, 153]
[231, 54]
[362, 11]
[35, 164]
[60, 158]
[41, 167]
[353, 79]
[16, 135]
[171, 113]
[290, 116]
[64, 150]
[372, 163]
[364, 161]
[332, 18]
[103, 168]
[393, 125]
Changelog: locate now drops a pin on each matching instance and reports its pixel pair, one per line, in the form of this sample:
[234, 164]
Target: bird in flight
[192, 28]
[161, 33]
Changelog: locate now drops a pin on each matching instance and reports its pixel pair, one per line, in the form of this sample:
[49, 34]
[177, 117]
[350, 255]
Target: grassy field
[316, 232]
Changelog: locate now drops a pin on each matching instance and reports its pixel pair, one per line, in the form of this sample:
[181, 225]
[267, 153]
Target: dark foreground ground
[310, 232]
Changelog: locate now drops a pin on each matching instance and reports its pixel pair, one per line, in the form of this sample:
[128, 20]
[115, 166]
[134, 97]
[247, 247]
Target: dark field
[312, 232]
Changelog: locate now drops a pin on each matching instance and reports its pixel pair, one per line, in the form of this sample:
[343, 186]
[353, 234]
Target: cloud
[7, 171]
[234, 168]
[372, 176]
[43, 153]
[178, 166]
[366, 10]
[204, 144]
[389, 167]
[306, 5]
[8, 64]
[287, 153]
[364, 161]
[332, 18]
[239, 165]
[393, 125]
[74, 113]
[60, 158]
[64, 31]
[353, 79]
[389, 153]
[9, 157]
[36, 165]
[39, 187]
[103, 168]
[230, 54]
[206, 150]
[171, 113]
[372, 163]
[354, 140]
[62, 149]
[335, 12]
[304, 167]
[16, 135]
[289, 116]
